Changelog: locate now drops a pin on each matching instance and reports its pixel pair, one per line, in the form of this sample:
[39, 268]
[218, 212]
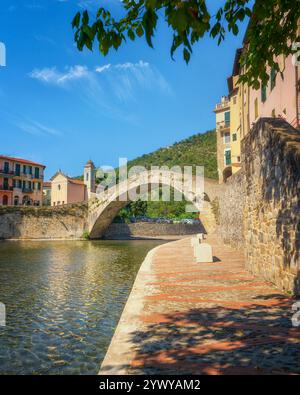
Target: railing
[7, 172]
[223, 125]
[6, 188]
[222, 105]
[27, 190]
[31, 176]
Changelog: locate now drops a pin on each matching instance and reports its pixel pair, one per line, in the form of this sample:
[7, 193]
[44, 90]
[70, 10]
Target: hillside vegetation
[197, 150]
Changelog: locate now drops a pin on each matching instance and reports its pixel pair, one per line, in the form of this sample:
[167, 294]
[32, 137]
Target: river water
[63, 301]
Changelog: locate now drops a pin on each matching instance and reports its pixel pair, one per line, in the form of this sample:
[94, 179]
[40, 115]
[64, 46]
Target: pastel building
[47, 193]
[68, 190]
[21, 182]
[281, 97]
[245, 105]
[222, 111]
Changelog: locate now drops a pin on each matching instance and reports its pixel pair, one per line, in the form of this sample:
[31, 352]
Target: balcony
[223, 126]
[31, 176]
[6, 188]
[27, 190]
[7, 173]
[221, 106]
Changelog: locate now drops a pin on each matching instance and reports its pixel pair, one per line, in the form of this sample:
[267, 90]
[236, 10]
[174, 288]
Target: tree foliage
[271, 32]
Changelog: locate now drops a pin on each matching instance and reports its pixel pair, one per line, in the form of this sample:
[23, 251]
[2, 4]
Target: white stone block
[200, 236]
[203, 253]
[195, 241]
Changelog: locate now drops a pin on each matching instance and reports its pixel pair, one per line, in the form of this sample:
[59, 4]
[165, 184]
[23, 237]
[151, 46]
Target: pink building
[21, 182]
[281, 98]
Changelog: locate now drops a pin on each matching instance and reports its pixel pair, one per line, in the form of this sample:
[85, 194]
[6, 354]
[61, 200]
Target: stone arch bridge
[103, 207]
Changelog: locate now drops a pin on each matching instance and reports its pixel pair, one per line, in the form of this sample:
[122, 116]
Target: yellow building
[235, 99]
[222, 111]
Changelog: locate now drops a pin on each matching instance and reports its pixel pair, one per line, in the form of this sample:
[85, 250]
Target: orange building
[20, 182]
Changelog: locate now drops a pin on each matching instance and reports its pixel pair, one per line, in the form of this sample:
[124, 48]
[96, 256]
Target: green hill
[197, 150]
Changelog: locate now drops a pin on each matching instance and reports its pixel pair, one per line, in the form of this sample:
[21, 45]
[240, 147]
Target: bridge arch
[105, 207]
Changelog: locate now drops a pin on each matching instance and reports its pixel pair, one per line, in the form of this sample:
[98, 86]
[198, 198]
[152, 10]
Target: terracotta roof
[75, 181]
[47, 184]
[29, 162]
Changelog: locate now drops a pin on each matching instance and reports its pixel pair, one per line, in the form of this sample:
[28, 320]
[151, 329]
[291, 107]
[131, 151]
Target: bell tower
[89, 178]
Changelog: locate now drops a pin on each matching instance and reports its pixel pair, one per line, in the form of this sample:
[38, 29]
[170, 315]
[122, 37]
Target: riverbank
[187, 318]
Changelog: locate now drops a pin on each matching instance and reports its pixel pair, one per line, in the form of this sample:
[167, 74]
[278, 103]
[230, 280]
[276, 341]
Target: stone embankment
[211, 318]
[67, 222]
[148, 229]
[259, 207]
[71, 222]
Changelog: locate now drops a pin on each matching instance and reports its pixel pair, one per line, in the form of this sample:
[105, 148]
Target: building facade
[68, 190]
[279, 99]
[222, 111]
[21, 182]
[47, 193]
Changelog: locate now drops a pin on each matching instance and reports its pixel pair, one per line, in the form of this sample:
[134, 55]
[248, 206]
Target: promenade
[183, 317]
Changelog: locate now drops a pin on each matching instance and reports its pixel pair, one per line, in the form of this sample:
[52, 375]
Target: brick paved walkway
[195, 318]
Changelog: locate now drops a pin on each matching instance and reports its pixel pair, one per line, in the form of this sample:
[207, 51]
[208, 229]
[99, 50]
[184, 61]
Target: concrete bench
[203, 253]
[197, 239]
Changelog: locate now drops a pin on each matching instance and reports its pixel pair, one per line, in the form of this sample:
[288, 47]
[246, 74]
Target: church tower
[89, 178]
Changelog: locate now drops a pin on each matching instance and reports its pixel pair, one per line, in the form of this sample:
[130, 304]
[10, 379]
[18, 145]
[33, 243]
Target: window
[87, 176]
[263, 93]
[36, 172]
[30, 169]
[18, 169]
[16, 200]
[227, 117]
[63, 202]
[6, 167]
[273, 78]
[234, 137]
[5, 200]
[54, 203]
[256, 108]
[5, 184]
[238, 158]
[39, 186]
[24, 169]
[273, 113]
[58, 187]
[226, 138]
[20, 184]
[227, 155]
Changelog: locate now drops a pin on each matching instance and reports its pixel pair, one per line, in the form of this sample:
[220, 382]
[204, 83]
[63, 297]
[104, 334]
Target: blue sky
[60, 107]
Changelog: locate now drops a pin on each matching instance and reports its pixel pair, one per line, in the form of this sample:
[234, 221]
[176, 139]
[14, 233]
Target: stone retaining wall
[259, 207]
[148, 229]
[271, 162]
[43, 222]
[231, 210]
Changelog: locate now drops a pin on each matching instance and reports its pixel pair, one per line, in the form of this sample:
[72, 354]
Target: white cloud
[102, 87]
[101, 69]
[37, 129]
[55, 77]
